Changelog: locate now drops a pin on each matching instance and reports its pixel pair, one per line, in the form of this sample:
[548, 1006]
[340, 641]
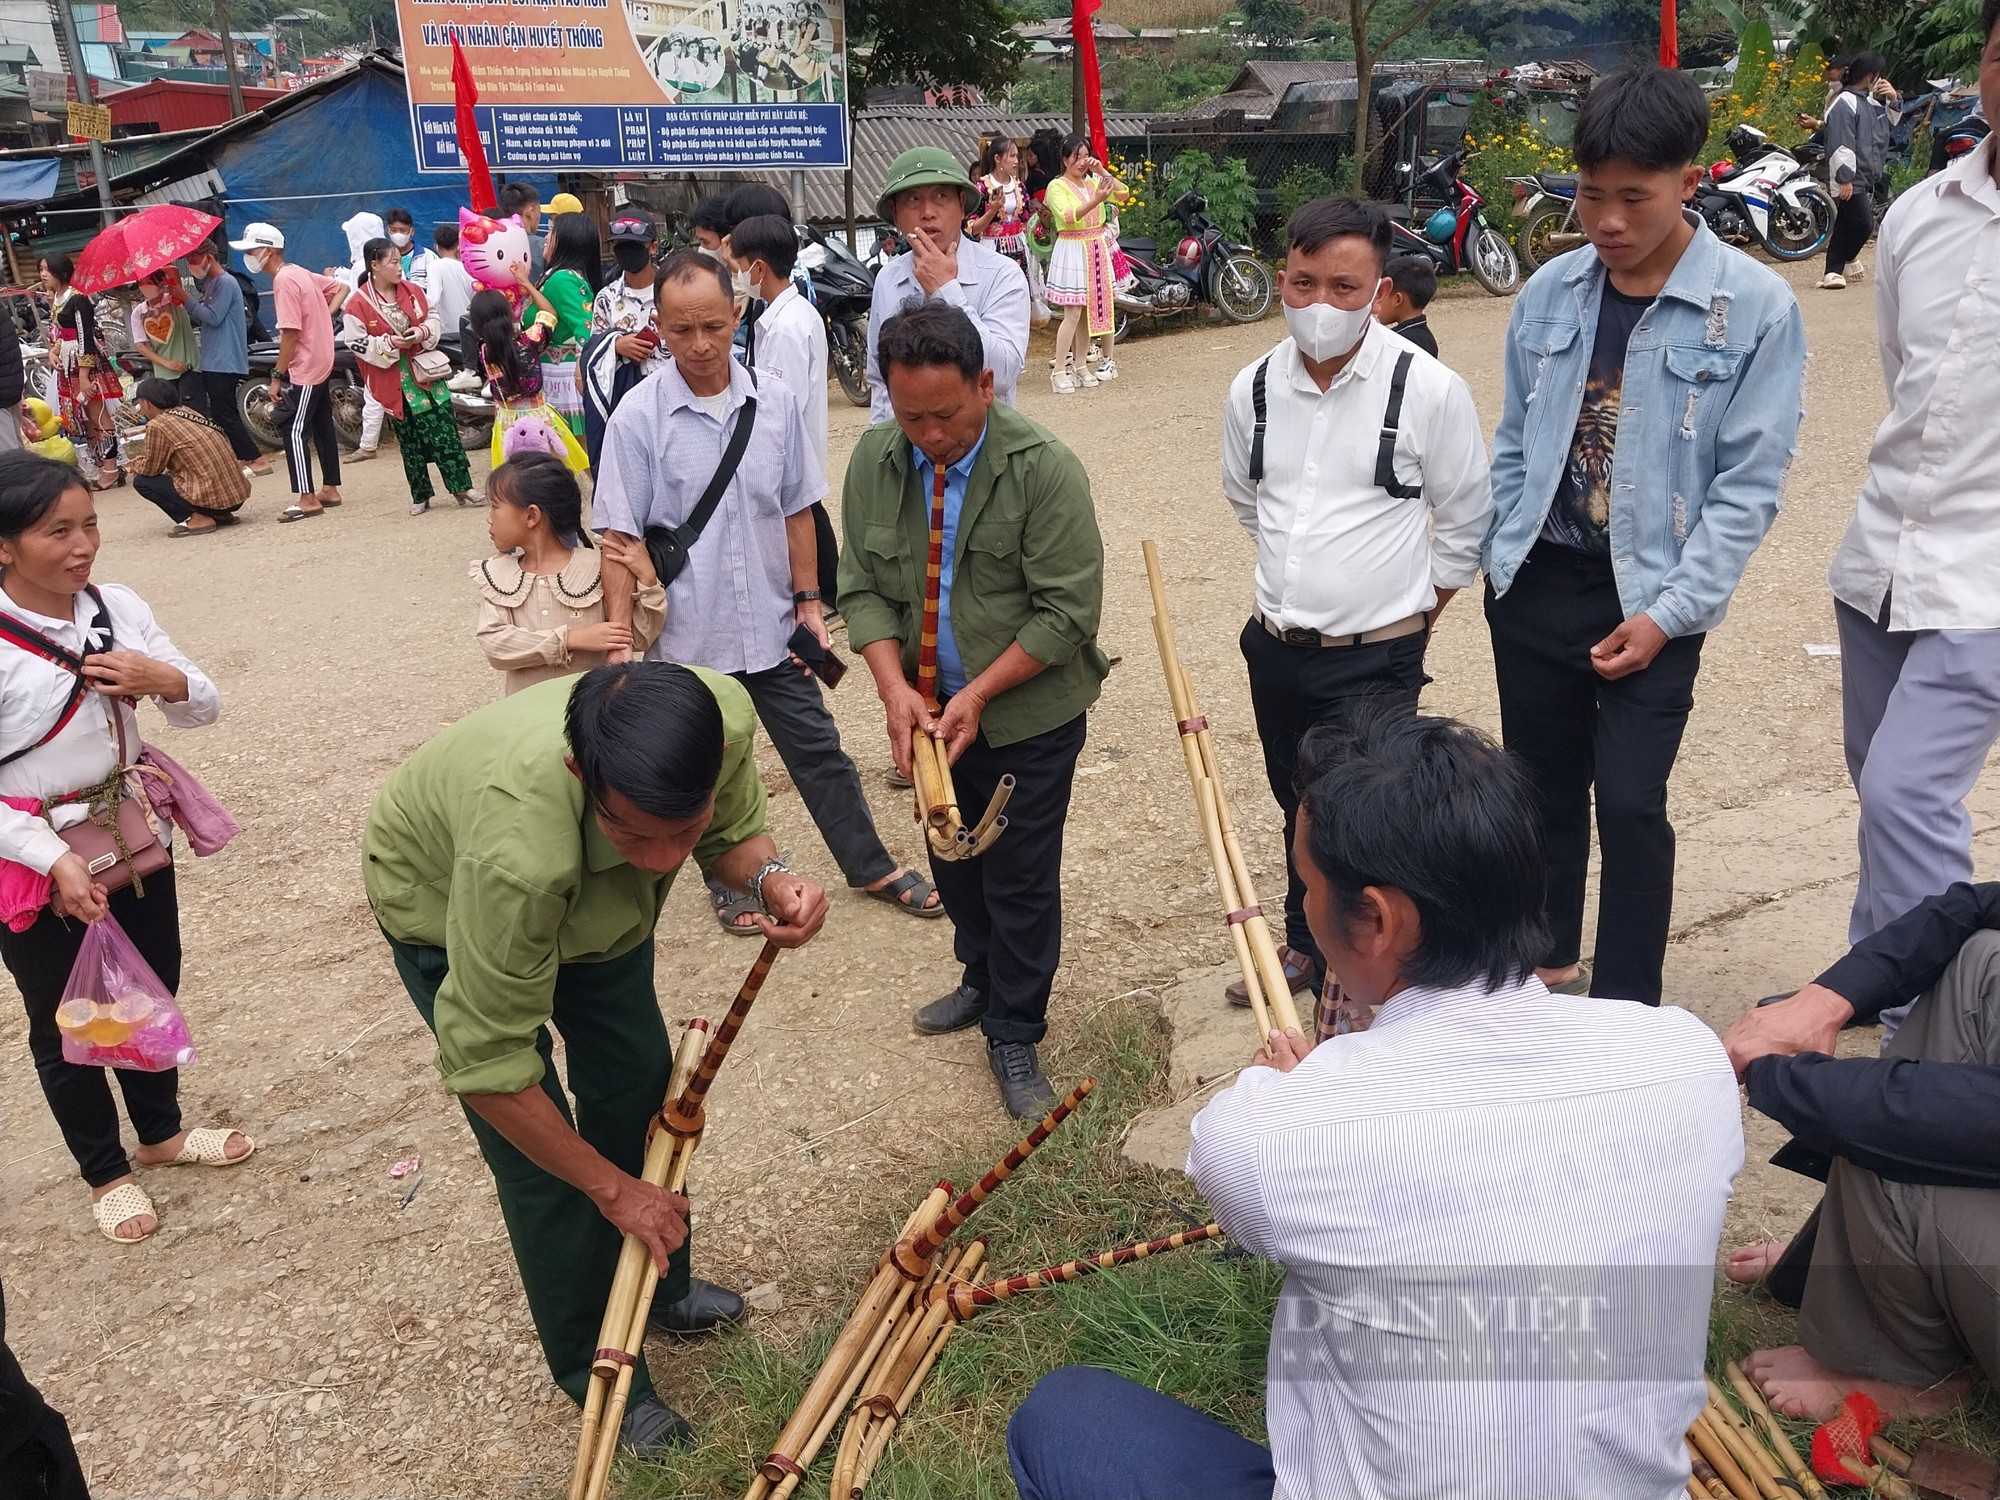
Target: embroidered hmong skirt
[1080, 275]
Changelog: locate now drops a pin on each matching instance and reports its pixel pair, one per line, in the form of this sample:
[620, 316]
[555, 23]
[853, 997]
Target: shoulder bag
[670, 545]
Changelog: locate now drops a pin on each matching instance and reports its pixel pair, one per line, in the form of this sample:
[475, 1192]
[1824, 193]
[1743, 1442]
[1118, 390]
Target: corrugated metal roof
[882, 135]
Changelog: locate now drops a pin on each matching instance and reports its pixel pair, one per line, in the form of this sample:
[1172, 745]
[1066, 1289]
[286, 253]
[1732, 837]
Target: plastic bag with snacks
[115, 1012]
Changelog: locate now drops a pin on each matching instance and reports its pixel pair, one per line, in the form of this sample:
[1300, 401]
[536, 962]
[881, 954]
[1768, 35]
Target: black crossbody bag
[669, 545]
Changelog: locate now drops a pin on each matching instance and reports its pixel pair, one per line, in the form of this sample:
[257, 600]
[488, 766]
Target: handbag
[669, 545]
[431, 366]
[117, 839]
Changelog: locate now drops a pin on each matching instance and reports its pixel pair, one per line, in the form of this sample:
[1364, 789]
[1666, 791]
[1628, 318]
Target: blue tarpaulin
[28, 181]
[345, 152]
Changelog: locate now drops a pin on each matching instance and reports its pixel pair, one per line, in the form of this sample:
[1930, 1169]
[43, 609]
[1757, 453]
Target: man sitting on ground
[1481, 1146]
[1893, 1274]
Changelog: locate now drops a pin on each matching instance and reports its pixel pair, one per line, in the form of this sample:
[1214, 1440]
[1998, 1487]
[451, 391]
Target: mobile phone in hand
[824, 665]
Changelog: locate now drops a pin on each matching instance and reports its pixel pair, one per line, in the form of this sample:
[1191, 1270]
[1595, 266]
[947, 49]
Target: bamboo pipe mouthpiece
[912, 1257]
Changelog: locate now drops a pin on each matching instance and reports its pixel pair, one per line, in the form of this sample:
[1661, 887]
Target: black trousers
[37, 1459]
[1292, 688]
[221, 392]
[305, 417]
[1853, 222]
[1006, 904]
[1577, 733]
[793, 711]
[40, 960]
[828, 546]
[159, 488]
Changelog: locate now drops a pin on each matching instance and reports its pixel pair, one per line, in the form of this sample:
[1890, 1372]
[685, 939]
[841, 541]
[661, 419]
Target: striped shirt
[1499, 1213]
[731, 608]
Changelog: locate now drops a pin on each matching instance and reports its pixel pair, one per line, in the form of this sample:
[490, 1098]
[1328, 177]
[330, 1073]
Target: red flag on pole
[1670, 35]
[1084, 34]
[471, 150]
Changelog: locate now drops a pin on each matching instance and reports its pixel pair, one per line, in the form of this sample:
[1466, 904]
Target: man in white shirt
[788, 344]
[1358, 466]
[448, 285]
[1498, 1209]
[927, 196]
[1916, 582]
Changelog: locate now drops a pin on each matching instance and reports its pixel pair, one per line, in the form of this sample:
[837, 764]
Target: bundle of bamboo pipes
[669, 1149]
[1747, 1455]
[937, 802]
[1249, 934]
[886, 1319]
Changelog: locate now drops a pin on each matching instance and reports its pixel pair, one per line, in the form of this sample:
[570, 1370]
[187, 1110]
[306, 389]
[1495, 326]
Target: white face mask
[1323, 331]
[399, 239]
[739, 281]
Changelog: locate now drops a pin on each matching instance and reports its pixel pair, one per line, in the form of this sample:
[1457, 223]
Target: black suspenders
[1385, 452]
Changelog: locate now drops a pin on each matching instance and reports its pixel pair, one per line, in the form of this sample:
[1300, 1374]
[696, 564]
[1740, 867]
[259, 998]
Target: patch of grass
[1194, 1323]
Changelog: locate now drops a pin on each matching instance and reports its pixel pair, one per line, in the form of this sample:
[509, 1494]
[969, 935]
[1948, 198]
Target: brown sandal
[1300, 972]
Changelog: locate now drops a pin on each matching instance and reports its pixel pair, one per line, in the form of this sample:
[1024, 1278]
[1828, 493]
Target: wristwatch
[769, 868]
[806, 596]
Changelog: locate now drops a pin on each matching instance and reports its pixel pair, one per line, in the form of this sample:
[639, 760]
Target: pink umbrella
[148, 241]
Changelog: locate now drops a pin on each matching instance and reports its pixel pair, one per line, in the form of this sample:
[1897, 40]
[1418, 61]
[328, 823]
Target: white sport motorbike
[1765, 197]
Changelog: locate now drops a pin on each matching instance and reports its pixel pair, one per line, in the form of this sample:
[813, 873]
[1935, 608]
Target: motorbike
[1457, 237]
[1545, 205]
[1765, 196]
[1204, 270]
[254, 405]
[843, 286]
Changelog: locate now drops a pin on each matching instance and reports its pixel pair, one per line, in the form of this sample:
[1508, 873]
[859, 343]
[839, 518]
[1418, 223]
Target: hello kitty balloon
[491, 248]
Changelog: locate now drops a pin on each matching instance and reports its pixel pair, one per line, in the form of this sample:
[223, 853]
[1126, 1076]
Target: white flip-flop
[122, 1204]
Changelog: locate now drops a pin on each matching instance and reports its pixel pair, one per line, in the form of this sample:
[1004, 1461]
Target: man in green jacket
[1017, 657]
[517, 864]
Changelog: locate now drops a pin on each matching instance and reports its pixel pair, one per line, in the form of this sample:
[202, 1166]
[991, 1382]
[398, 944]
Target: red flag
[1084, 34]
[1670, 35]
[471, 150]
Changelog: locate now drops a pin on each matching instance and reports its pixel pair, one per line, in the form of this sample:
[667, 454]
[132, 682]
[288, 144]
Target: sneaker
[1061, 383]
[1108, 370]
[1832, 281]
[420, 508]
[1093, 355]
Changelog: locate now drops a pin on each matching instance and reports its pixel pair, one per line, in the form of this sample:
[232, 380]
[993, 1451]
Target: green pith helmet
[922, 166]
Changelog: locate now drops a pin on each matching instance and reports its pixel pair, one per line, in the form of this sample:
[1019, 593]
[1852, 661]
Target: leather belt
[1409, 625]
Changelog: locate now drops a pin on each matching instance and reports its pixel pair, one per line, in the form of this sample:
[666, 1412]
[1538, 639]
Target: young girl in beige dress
[541, 596]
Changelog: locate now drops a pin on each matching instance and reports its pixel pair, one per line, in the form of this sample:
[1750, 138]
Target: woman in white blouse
[57, 736]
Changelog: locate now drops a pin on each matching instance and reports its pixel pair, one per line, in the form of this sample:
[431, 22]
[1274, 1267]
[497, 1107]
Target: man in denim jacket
[1653, 400]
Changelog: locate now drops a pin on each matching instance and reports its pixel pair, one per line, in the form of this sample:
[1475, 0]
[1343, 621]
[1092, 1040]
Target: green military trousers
[619, 1062]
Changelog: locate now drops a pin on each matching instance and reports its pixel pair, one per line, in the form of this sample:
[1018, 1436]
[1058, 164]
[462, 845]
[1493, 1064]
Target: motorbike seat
[1562, 184]
[1139, 245]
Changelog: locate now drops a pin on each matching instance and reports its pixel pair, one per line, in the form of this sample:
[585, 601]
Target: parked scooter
[843, 287]
[253, 397]
[1204, 270]
[1457, 237]
[1545, 205]
[1765, 197]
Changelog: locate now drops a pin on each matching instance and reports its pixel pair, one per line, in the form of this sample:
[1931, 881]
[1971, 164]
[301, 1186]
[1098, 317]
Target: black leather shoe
[963, 1007]
[704, 1309]
[1026, 1092]
[652, 1428]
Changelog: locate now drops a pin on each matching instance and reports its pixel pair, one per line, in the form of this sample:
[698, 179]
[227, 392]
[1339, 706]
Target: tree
[1275, 23]
[966, 43]
[1374, 26]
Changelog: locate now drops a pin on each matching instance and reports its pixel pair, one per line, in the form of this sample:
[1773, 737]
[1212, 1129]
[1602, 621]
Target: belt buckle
[1296, 636]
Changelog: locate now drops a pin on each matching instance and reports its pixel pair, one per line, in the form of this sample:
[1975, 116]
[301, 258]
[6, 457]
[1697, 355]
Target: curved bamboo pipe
[966, 1300]
[912, 1254]
[1780, 1440]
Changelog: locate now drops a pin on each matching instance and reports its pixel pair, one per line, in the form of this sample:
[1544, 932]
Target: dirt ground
[297, 1328]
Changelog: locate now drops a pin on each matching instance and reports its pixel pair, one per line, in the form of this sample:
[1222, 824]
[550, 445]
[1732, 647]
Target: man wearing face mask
[1358, 466]
[416, 259]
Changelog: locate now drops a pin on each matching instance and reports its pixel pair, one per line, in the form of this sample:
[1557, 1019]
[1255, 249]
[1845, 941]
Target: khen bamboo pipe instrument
[965, 1300]
[1710, 1446]
[1774, 1432]
[913, 1253]
[669, 1150]
[1256, 950]
[868, 1327]
[1704, 1478]
[1748, 1446]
